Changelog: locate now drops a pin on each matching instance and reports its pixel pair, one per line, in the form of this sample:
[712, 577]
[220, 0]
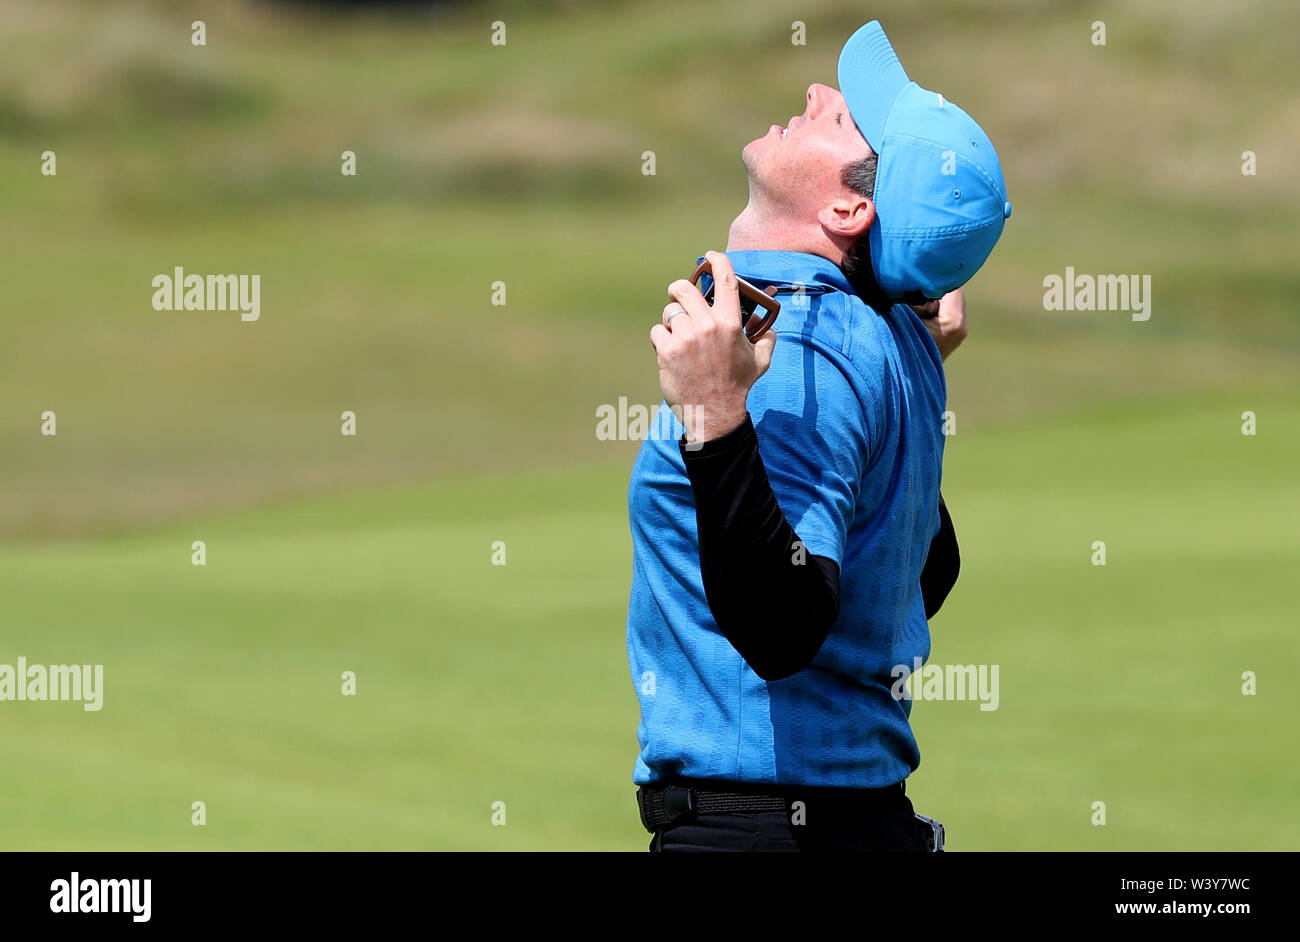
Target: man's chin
[754, 152]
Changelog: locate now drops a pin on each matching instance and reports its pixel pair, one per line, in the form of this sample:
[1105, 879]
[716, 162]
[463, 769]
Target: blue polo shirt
[849, 420]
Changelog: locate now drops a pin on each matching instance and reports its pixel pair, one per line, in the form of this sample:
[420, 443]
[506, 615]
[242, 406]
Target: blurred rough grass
[1164, 108]
[522, 163]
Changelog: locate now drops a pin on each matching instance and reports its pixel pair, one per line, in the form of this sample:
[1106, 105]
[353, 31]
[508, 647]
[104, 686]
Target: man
[780, 546]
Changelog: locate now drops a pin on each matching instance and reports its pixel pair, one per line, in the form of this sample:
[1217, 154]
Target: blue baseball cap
[940, 198]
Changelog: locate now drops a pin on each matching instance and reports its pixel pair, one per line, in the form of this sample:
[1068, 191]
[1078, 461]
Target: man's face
[797, 167]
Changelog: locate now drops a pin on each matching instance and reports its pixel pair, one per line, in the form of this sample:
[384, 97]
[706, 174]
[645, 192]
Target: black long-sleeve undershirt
[942, 563]
[770, 598]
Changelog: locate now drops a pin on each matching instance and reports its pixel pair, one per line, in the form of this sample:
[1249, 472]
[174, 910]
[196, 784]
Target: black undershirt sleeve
[772, 600]
[941, 565]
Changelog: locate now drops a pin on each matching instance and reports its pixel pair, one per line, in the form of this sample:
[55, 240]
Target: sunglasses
[751, 299]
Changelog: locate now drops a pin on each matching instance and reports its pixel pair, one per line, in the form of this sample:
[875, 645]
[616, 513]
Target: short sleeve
[816, 426]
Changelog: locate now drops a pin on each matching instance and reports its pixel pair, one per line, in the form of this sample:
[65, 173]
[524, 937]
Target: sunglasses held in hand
[751, 299]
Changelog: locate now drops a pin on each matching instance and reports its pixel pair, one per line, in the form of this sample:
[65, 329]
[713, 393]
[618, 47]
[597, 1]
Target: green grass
[1122, 683]
[475, 683]
[480, 683]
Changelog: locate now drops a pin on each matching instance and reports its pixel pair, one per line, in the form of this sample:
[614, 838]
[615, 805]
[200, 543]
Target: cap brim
[871, 78]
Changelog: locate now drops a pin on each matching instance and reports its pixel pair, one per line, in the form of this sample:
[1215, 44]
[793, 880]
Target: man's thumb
[763, 351]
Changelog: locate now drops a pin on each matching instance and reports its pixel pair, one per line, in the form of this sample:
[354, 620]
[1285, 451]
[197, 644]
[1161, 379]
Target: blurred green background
[476, 423]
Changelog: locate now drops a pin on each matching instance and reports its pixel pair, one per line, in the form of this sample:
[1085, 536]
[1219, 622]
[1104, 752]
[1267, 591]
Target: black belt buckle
[678, 802]
[675, 803]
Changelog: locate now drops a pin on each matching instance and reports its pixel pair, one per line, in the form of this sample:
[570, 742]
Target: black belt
[664, 805]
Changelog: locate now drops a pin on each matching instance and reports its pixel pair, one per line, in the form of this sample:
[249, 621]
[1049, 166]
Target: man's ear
[847, 216]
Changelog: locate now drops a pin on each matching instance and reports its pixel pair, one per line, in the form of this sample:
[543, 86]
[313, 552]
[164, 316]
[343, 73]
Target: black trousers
[822, 825]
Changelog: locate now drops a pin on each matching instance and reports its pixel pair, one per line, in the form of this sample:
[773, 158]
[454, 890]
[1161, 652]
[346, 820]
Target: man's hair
[860, 177]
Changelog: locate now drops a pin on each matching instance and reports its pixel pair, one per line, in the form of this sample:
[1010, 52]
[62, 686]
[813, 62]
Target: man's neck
[756, 230]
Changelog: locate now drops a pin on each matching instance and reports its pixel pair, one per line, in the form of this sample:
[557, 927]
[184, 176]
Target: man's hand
[706, 363]
[945, 319]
